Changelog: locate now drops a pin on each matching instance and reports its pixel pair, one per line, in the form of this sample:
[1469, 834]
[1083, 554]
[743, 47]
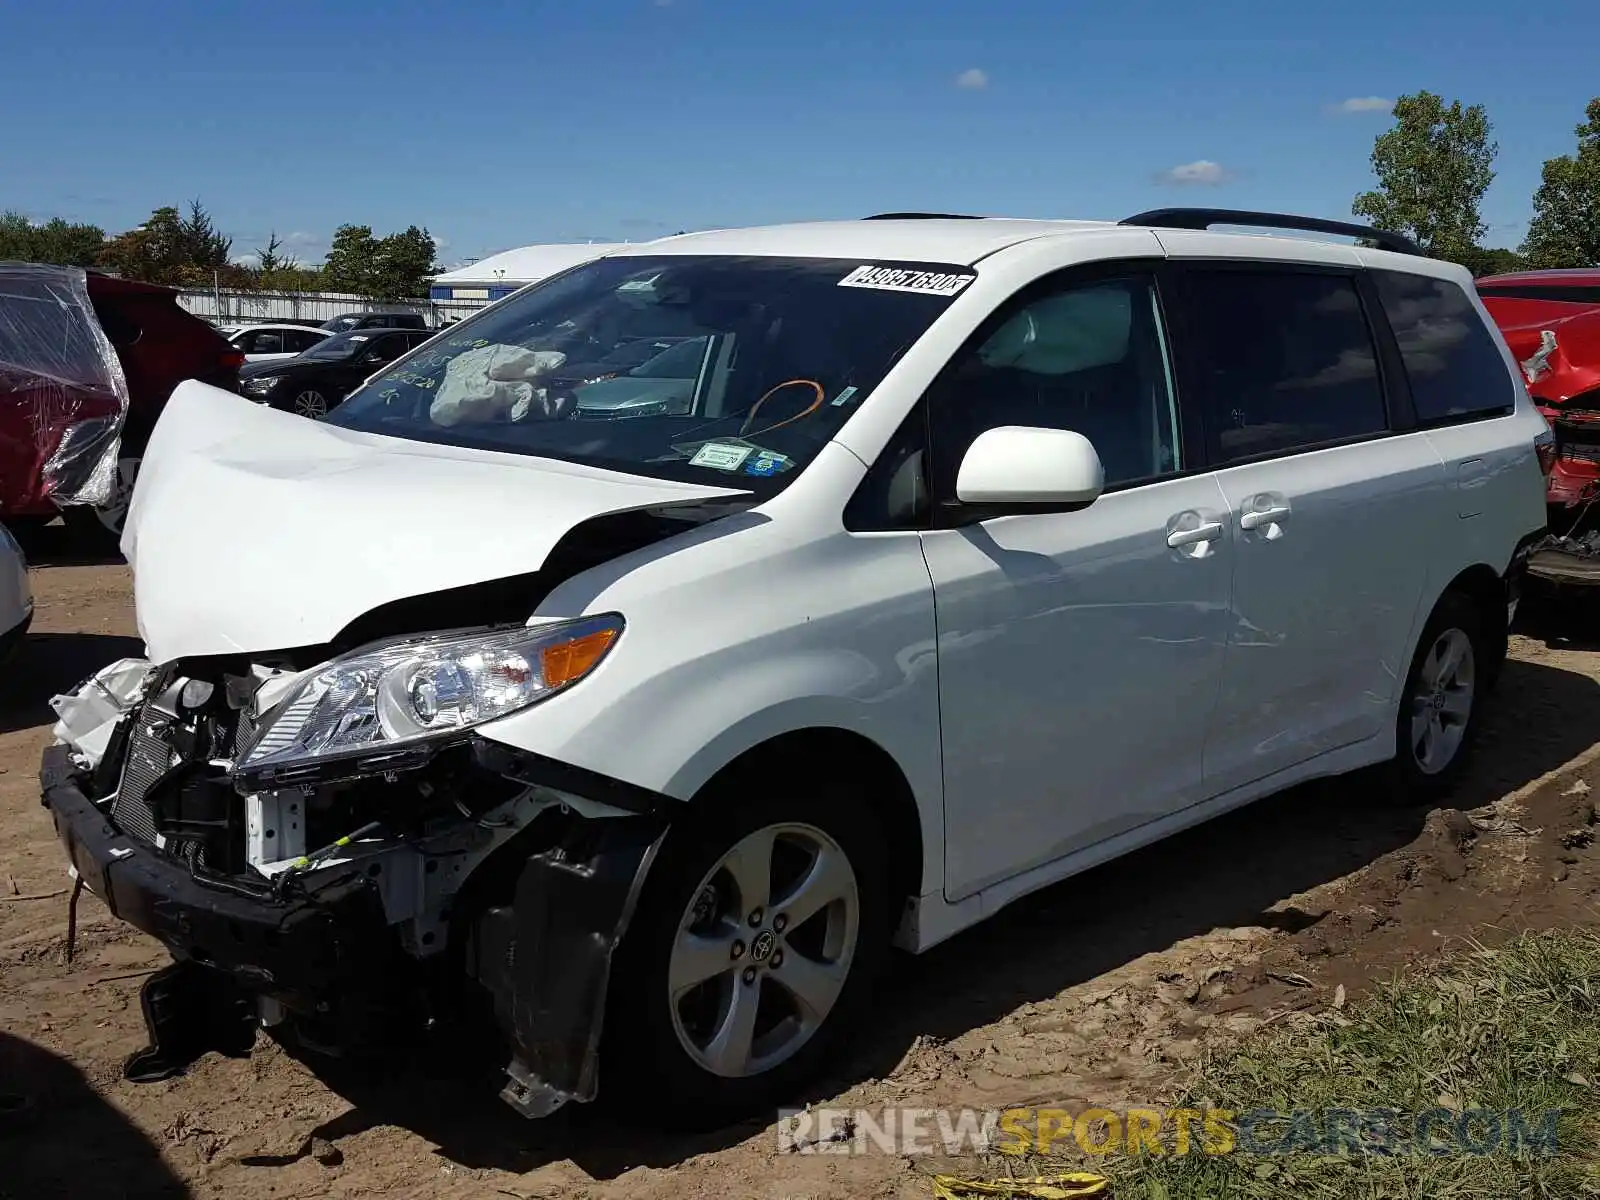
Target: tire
[1438, 715]
[657, 1054]
[309, 402]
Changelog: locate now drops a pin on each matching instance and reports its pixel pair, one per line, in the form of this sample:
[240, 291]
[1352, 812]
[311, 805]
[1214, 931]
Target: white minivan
[968, 553]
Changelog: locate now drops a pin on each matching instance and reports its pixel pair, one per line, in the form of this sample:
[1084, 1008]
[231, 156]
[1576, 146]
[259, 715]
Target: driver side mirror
[1023, 465]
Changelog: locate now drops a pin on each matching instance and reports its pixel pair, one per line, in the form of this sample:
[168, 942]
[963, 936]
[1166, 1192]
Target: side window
[269, 341]
[1453, 363]
[299, 341]
[1090, 357]
[387, 349]
[1282, 361]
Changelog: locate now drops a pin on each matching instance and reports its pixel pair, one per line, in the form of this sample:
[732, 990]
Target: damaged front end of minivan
[328, 838]
[352, 887]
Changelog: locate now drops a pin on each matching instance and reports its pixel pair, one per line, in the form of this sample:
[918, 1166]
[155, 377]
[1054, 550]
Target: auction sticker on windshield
[721, 456]
[904, 279]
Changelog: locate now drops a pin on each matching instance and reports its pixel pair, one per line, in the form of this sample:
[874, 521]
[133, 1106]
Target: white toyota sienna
[638, 661]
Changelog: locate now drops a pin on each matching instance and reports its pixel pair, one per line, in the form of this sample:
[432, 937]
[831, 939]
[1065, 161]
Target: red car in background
[87, 362]
[1551, 321]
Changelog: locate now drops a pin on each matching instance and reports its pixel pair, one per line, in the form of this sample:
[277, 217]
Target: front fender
[674, 732]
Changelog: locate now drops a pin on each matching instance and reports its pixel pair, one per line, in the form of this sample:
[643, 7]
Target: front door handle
[1256, 518]
[1207, 532]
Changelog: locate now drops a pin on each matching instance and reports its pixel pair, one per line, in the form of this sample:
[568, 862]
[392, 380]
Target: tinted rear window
[1453, 362]
[1283, 361]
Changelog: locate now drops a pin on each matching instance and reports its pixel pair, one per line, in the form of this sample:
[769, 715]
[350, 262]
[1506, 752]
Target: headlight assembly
[423, 690]
[260, 385]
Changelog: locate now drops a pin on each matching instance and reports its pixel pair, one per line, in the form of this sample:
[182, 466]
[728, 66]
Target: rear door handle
[1207, 532]
[1256, 518]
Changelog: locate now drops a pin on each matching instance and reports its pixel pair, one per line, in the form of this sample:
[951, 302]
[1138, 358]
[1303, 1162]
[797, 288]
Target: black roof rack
[919, 216]
[1205, 218]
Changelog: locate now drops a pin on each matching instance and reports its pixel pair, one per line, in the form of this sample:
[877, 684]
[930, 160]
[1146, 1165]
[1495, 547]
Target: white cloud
[973, 79]
[1201, 173]
[1363, 104]
[247, 260]
[301, 238]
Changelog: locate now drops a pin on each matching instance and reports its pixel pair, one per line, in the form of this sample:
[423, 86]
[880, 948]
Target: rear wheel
[1439, 707]
[758, 938]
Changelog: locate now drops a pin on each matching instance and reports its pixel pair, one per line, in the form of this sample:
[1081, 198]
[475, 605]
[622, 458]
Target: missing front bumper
[327, 954]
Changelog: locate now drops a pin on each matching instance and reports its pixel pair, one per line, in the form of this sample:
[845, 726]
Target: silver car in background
[16, 600]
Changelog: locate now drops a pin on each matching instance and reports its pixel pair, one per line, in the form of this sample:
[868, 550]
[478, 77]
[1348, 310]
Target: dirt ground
[1097, 991]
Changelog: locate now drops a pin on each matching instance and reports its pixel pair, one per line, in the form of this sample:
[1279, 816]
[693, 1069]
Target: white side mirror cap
[1018, 464]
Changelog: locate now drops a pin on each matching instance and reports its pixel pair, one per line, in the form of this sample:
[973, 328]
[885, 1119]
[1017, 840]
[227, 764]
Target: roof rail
[1205, 218]
[921, 216]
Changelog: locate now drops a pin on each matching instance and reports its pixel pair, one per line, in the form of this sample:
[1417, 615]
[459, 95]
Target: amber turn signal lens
[573, 660]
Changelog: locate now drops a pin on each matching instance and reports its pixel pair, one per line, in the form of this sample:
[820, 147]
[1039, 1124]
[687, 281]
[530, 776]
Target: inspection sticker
[768, 462]
[721, 456]
[902, 279]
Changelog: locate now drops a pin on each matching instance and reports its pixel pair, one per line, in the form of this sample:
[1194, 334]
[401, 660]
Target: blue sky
[497, 123]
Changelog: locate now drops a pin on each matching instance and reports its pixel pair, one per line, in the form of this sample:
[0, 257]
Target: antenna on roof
[1205, 218]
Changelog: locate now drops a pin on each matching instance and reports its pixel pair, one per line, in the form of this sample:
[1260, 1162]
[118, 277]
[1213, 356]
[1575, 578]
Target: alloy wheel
[1441, 702]
[763, 950]
[311, 404]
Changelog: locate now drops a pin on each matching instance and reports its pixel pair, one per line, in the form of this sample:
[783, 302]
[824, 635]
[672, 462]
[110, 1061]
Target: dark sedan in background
[312, 383]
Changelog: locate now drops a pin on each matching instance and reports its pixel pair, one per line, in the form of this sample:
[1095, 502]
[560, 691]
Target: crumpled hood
[254, 530]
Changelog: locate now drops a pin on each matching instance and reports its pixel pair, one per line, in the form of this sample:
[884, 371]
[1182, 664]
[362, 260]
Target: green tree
[171, 249]
[62, 243]
[152, 252]
[396, 267]
[405, 264]
[1482, 260]
[1565, 230]
[1433, 168]
[271, 259]
[352, 264]
[201, 248]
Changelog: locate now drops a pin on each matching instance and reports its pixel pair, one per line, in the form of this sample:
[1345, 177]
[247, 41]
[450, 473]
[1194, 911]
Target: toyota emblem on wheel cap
[761, 948]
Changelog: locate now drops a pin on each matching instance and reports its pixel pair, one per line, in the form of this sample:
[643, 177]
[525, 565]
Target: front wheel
[758, 938]
[309, 402]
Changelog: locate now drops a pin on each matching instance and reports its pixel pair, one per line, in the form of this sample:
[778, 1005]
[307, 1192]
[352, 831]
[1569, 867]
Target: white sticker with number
[721, 456]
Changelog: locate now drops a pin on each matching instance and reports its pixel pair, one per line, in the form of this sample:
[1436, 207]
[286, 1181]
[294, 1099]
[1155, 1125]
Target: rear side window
[1282, 361]
[1452, 361]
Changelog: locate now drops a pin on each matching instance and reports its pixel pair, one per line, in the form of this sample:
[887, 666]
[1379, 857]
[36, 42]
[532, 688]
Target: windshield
[689, 368]
[340, 345]
[340, 324]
